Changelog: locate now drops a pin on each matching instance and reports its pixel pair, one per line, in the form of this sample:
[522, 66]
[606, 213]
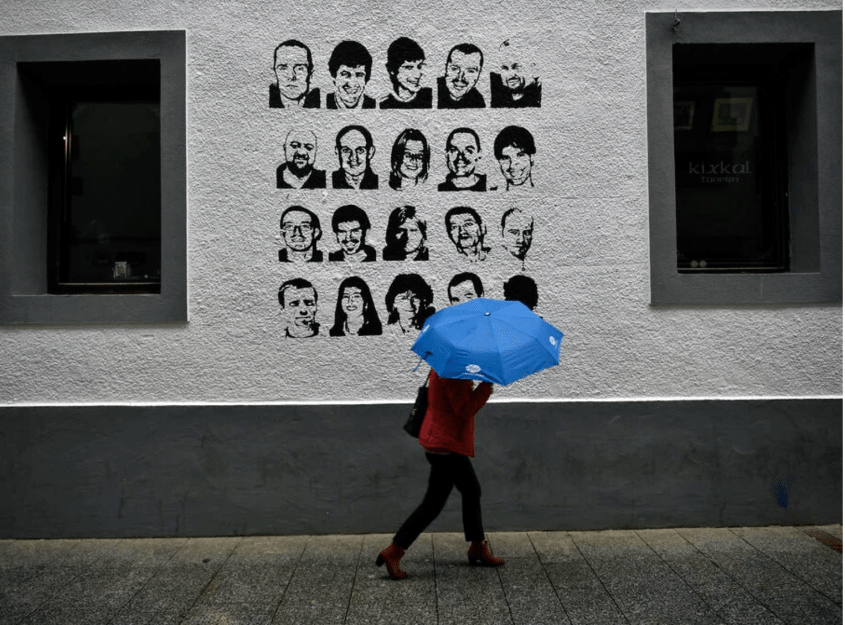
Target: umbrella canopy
[488, 340]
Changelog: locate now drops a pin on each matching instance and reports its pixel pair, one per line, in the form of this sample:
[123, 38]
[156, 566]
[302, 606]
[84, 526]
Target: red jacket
[449, 423]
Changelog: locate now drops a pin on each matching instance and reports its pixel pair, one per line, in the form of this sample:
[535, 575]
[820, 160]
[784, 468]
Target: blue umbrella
[488, 340]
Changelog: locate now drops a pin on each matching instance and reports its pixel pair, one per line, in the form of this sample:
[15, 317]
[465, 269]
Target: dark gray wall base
[119, 471]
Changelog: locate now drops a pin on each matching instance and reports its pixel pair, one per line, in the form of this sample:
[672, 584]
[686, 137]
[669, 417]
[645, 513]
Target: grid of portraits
[385, 217]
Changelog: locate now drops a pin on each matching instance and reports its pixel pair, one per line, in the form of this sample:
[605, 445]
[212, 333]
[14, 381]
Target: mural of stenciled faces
[509, 66]
[465, 164]
[356, 196]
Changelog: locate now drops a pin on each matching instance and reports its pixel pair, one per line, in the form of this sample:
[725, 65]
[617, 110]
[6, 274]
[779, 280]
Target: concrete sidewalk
[738, 575]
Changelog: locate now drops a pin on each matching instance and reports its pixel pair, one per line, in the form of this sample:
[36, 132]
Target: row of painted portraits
[407, 236]
[513, 84]
[410, 161]
[407, 304]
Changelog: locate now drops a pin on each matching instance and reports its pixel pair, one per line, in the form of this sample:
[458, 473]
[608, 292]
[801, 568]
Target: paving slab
[466, 594]
[814, 563]
[646, 590]
[730, 600]
[239, 613]
[833, 530]
[379, 600]
[789, 598]
[583, 596]
[321, 586]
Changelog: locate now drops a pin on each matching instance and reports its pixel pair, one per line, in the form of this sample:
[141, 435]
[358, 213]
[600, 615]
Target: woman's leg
[467, 483]
[440, 482]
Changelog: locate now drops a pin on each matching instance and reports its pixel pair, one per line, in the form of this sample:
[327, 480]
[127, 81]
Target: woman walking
[447, 436]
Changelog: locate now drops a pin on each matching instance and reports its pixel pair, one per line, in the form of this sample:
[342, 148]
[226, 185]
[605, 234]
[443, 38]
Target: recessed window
[105, 195]
[731, 173]
[94, 184]
[744, 157]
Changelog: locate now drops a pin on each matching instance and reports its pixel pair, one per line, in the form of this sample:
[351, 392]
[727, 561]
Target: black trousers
[446, 472]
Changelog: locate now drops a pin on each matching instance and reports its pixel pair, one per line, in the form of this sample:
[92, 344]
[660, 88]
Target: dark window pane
[111, 231]
[729, 171]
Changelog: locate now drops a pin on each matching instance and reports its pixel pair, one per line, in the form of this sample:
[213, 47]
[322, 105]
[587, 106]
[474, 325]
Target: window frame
[24, 176]
[814, 141]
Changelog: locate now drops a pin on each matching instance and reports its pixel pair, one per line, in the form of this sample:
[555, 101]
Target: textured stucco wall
[590, 255]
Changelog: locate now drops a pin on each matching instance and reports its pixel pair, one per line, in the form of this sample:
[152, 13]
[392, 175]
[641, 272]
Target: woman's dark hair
[401, 51]
[410, 282]
[397, 154]
[394, 250]
[372, 324]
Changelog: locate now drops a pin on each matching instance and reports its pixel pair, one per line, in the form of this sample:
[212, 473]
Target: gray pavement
[738, 575]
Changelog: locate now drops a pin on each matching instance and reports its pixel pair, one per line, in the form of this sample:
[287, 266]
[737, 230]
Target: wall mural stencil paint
[406, 235]
[350, 225]
[390, 153]
[467, 232]
[463, 287]
[355, 150]
[516, 84]
[463, 151]
[406, 69]
[298, 308]
[514, 149]
[298, 171]
[350, 66]
[293, 67]
[355, 312]
[300, 230]
[409, 160]
[517, 233]
[456, 89]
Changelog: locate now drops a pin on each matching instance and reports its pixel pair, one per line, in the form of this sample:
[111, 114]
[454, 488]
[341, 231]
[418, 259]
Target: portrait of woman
[405, 236]
[409, 160]
[355, 312]
[408, 303]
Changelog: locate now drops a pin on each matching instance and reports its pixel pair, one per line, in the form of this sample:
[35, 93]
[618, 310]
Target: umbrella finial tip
[487, 314]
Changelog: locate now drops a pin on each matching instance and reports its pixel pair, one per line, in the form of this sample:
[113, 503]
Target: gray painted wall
[221, 470]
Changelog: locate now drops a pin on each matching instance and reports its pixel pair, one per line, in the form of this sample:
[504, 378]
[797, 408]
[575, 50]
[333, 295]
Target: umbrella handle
[421, 359]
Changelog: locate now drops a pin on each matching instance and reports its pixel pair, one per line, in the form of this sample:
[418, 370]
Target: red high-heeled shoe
[391, 557]
[481, 551]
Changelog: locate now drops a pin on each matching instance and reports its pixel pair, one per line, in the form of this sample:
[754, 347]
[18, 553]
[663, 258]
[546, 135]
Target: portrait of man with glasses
[467, 233]
[300, 230]
[293, 67]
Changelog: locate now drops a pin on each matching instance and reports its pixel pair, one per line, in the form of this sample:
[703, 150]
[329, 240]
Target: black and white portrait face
[466, 233]
[407, 304]
[293, 73]
[409, 76]
[349, 84]
[517, 233]
[463, 291]
[298, 232]
[462, 72]
[300, 152]
[515, 66]
[409, 235]
[353, 153]
[299, 310]
[350, 236]
[462, 154]
[413, 159]
[516, 165]
[353, 304]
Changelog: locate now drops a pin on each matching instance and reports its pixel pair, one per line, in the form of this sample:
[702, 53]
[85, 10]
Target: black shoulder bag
[415, 419]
